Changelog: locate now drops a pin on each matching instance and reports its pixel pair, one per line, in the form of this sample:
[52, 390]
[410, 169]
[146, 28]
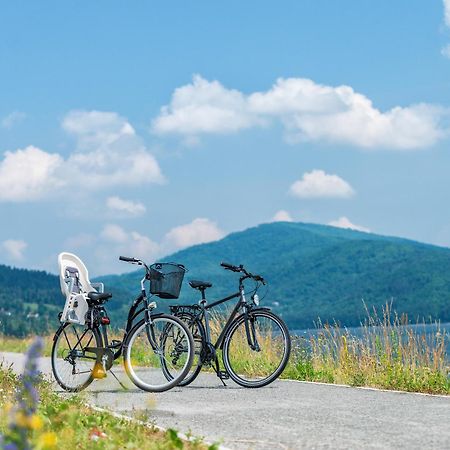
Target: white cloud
[344, 222]
[29, 174]
[129, 207]
[12, 119]
[114, 233]
[318, 184]
[199, 231]
[108, 153]
[114, 240]
[447, 12]
[14, 248]
[129, 243]
[446, 51]
[204, 107]
[282, 216]
[309, 111]
[96, 128]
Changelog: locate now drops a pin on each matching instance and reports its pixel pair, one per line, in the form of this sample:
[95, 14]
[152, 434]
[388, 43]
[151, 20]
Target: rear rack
[180, 309]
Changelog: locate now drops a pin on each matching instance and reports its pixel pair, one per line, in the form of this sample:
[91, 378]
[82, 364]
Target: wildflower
[95, 434]
[23, 416]
[35, 422]
[47, 440]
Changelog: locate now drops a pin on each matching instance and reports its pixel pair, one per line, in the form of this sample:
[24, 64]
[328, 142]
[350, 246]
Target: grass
[21, 345]
[387, 353]
[67, 422]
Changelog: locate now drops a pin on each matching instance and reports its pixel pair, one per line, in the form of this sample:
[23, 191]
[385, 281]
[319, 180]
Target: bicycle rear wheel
[71, 365]
[256, 349]
[149, 348]
[199, 335]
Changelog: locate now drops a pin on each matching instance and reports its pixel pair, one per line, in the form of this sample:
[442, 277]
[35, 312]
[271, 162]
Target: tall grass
[386, 353]
[389, 353]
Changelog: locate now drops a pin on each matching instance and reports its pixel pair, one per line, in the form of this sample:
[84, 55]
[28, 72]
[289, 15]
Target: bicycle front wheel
[256, 349]
[71, 365]
[152, 347]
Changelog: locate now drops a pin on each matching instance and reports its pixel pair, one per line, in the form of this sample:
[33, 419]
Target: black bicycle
[255, 342]
[149, 346]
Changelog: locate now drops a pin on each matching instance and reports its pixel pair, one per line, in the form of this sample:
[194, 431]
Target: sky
[141, 128]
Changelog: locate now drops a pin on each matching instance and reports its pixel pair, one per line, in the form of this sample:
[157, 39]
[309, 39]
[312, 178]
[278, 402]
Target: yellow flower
[21, 420]
[35, 422]
[47, 440]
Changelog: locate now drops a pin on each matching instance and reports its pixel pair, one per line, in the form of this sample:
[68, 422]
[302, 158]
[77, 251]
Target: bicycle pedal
[99, 371]
[115, 344]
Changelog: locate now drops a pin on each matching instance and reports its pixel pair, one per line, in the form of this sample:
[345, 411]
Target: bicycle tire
[128, 347]
[234, 374]
[199, 336]
[54, 355]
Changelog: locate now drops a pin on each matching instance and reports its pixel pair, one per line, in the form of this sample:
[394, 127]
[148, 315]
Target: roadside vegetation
[387, 352]
[38, 418]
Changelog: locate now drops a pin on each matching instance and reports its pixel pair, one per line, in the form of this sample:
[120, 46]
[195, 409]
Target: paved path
[284, 415]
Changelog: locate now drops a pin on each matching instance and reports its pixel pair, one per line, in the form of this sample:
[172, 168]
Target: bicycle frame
[241, 304]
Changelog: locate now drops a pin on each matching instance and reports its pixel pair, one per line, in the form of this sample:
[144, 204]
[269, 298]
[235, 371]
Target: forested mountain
[313, 271]
[321, 271]
[29, 301]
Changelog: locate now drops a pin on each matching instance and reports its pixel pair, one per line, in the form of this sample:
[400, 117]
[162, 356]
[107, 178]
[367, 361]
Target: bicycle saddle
[98, 297]
[200, 285]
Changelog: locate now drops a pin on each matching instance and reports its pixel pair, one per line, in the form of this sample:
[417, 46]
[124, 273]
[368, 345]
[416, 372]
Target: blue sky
[141, 128]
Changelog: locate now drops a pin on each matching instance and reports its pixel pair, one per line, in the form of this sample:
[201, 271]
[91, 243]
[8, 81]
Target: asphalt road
[284, 415]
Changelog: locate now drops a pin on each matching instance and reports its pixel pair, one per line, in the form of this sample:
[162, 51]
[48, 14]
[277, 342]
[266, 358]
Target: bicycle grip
[127, 259]
[228, 265]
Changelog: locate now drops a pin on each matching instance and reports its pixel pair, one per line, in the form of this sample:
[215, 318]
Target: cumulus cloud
[12, 119]
[14, 248]
[344, 222]
[446, 49]
[114, 240]
[309, 112]
[128, 207]
[130, 243]
[204, 107]
[29, 174]
[108, 153]
[282, 216]
[447, 12]
[198, 231]
[318, 184]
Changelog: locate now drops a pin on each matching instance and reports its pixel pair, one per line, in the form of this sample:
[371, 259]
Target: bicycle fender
[58, 331]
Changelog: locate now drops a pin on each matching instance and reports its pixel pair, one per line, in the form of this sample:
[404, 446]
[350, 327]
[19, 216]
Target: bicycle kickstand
[221, 374]
[121, 384]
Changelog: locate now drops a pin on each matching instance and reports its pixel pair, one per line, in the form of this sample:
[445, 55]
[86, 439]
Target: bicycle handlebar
[130, 260]
[240, 268]
[152, 274]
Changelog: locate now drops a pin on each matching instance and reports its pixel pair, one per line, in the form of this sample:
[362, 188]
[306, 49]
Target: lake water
[427, 330]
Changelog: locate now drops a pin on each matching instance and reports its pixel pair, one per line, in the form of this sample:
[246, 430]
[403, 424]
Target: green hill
[321, 271]
[313, 271]
[29, 301]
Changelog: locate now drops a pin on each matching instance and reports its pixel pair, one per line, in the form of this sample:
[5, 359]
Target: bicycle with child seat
[255, 342]
[155, 341]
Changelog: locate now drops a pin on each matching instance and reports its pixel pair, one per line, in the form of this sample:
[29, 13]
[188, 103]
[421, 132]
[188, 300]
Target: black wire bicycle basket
[169, 285]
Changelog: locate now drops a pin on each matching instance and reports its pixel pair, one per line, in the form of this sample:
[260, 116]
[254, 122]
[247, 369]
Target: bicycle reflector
[105, 320]
[255, 299]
